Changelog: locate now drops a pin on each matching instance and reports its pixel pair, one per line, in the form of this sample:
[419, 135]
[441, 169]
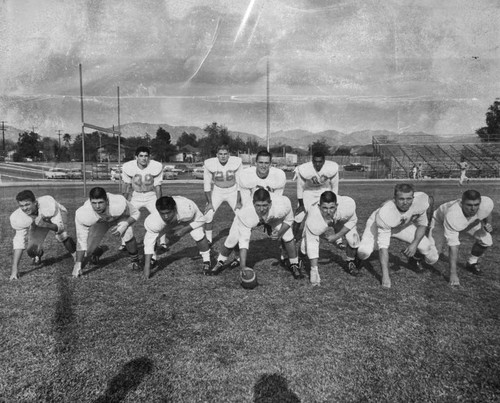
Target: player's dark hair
[98, 193]
[328, 197]
[261, 195]
[263, 153]
[319, 154]
[223, 147]
[403, 188]
[26, 195]
[165, 203]
[142, 149]
[471, 195]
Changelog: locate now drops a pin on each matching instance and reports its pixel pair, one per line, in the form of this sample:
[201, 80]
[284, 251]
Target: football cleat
[340, 244]
[37, 261]
[122, 248]
[352, 268]
[216, 270]
[416, 265]
[234, 264]
[474, 269]
[296, 272]
[206, 268]
[135, 266]
[153, 263]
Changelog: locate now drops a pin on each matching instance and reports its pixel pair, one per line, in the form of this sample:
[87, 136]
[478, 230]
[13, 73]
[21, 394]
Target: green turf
[111, 336]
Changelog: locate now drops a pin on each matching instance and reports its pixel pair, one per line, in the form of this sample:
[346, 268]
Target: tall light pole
[3, 136]
[59, 149]
[268, 119]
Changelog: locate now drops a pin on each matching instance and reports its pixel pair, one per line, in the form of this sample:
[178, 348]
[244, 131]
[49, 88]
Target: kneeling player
[276, 216]
[471, 215]
[102, 212]
[175, 216]
[33, 220]
[404, 218]
[339, 213]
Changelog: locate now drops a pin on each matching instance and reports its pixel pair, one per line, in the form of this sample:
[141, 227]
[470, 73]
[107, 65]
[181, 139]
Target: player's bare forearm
[419, 234]
[384, 259]
[127, 191]
[16, 258]
[453, 256]
[243, 257]
[284, 228]
[158, 191]
[238, 200]
[208, 197]
[147, 266]
[80, 254]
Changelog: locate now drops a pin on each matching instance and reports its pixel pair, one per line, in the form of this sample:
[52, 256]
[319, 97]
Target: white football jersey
[389, 218]
[143, 180]
[345, 214]
[221, 176]
[308, 179]
[48, 208]
[246, 219]
[274, 183]
[452, 218]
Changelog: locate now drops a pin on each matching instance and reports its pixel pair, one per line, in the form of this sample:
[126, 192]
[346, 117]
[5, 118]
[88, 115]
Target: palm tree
[67, 139]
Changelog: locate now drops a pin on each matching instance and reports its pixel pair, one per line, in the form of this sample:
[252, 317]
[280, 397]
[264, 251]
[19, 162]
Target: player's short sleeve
[128, 171]
[280, 182]
[47, 206]
[156, 169]
[21, 223]
[283, 208]
[421, 203]
[485, 208]
[347, 208]
[132, 211]
[208, 169]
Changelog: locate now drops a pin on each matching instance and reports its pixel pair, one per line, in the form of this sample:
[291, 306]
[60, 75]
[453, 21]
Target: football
[248, 278]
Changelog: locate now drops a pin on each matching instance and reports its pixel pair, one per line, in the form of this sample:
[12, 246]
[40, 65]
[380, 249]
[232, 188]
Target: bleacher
[437, 159]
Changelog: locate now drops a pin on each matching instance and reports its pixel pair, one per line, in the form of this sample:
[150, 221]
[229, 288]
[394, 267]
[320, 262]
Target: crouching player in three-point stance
[471, 215]
[276, 216]
[33, 220]
[102, 212]
[220, 183]
[404, 218]
[339, 213]
[175, 216]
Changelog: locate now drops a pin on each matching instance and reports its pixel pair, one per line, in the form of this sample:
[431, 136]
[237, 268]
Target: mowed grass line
[184, 337]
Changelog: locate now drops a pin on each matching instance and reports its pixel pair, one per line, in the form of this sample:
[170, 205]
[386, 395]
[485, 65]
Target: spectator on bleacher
[471, 215]
[414, 172]
[463, 170]
[419, 171]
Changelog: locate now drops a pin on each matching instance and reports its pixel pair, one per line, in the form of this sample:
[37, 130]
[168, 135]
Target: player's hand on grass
[454, 282]
[275, 235]
[386, 282]
[13, 276]
[77, 270]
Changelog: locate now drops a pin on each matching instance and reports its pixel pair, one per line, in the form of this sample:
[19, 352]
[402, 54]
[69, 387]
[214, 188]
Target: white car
[56, 173]
[198, 173]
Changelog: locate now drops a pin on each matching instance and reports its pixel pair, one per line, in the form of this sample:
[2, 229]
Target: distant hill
[297, 138]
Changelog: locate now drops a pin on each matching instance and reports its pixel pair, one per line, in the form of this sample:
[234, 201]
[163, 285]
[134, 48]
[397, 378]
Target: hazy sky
[400, 65]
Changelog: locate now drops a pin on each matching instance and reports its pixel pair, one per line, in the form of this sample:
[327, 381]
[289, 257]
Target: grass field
[111, 336]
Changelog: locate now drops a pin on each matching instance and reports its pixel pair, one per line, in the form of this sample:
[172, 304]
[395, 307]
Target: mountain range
[295, 138]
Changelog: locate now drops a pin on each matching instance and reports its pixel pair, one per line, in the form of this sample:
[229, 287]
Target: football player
[470, 215]
[220, 183]
[263, 175]
[275, 215]
[142, 182]
[100, 213]
[32, 221]
[175, 216]
[405, 217]
[313, 178]
[339, 213]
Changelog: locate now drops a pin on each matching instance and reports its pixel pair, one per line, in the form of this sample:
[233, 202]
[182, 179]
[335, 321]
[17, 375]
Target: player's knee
[431, 255]
[364, 251]
[352, 239]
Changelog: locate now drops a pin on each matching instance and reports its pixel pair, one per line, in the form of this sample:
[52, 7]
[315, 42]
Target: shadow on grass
[163, 263]
[271, 388]
[45, 263]
[127, 380]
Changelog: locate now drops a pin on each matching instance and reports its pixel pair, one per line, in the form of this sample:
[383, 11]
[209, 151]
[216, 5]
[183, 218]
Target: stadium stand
[437, 159]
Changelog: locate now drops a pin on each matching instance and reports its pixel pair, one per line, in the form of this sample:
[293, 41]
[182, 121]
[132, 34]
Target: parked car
[115, 173]
[198, 173]
[56, 173]
[169, 175]
[355, 166]
[75, 173]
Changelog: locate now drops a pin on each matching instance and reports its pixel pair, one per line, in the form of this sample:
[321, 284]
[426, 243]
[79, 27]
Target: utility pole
[3, 136]
[59, 149]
